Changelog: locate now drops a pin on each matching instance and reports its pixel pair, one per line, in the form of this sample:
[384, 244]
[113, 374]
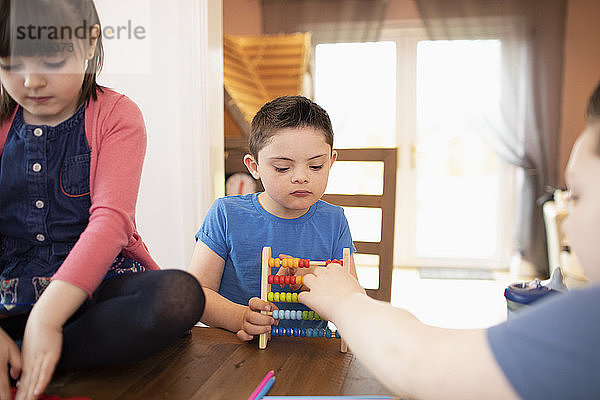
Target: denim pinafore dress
[44, 207]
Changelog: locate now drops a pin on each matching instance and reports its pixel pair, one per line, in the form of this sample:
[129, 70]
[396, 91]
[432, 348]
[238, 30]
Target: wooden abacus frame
[265, 288]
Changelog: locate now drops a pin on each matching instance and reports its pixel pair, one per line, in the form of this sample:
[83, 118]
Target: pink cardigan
[116, 134]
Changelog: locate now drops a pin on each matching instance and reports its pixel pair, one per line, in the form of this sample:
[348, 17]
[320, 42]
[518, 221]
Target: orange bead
[298, 280]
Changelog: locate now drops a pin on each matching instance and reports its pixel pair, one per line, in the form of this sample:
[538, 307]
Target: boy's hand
[329, 287]
[253, 322]
[9, 356]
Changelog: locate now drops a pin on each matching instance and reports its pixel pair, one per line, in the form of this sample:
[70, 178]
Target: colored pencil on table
[254, 394]
[265, 388]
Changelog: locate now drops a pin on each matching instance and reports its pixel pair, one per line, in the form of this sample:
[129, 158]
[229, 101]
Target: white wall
[174, 74]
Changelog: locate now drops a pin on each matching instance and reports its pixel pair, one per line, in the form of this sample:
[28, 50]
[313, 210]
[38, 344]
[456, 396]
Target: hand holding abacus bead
[328, 288]
[294, 268]
[253, 322]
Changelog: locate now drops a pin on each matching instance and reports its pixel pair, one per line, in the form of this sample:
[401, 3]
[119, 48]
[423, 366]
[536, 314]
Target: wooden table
[213, 364]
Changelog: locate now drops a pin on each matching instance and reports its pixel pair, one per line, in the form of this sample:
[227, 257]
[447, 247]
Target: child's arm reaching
[412, 359]
[247, 321]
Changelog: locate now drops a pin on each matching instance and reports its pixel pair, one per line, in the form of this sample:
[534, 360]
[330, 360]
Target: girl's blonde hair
[41, 27]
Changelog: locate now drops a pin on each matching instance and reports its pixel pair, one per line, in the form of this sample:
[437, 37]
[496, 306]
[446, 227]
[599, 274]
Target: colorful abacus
[284, 280]
[268, 279]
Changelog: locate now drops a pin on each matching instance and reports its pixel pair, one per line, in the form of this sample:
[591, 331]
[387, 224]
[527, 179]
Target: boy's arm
[412, 359]
[207, 266]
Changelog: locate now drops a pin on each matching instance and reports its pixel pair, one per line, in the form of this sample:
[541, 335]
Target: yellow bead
[296, 262]
[294, 297]
[270, 296]
[271, 263]
[288, 297]
[284, 262]
[299, 280]
[276, 296]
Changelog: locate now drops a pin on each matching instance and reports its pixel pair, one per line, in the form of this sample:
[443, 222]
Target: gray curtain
[532, 35]
[329, 21]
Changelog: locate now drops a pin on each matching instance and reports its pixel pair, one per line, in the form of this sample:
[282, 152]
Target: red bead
[270, 279]
[327, 262]
[276, 279]
[287, 279]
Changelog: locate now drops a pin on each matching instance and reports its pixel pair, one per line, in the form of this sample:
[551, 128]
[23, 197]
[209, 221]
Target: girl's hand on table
[42, 345]
[9, 356]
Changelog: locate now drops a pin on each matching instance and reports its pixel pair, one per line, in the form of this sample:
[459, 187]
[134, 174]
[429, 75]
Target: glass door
[454, 195]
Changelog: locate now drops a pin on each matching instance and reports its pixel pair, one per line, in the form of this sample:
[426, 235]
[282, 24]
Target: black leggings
[129, 317]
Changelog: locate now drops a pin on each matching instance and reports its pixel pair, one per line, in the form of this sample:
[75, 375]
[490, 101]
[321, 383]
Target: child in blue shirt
[291, 152]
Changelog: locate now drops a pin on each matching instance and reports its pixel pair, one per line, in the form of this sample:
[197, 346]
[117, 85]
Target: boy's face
[293, 168]
[582, 225]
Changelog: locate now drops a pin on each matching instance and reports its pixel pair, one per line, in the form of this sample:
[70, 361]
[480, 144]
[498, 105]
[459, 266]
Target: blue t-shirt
[238, 227]
[552, 351]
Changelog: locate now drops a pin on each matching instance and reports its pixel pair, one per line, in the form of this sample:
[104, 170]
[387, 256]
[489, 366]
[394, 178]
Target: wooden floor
[213, 364]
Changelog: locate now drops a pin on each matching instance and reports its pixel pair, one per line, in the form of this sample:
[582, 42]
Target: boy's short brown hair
[593, 108]
[592, 113]
[287, 112]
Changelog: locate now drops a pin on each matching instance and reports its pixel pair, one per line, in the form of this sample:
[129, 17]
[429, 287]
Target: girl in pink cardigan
[78, 287]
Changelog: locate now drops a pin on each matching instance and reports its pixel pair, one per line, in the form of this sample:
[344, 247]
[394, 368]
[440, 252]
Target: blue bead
[328, 334]
[309, 332]
[321, 332]
[273, 331]
[288, 332]
[287, 314]
[281, 331]
[337, 335]
[302, 332]
[296, 332]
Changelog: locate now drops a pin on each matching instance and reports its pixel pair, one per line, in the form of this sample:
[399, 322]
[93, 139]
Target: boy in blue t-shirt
[291, 152]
